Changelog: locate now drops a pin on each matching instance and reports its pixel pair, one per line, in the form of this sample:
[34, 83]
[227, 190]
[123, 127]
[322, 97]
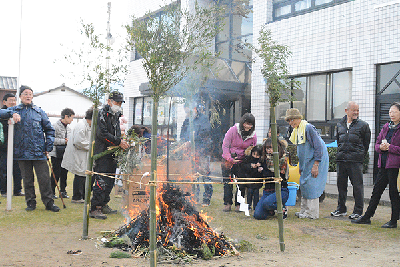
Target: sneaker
[205, 204]
[354, 216]
[30, 208]
[338, 213]
[97, 214]
[107, 210]
[54, 197]
[285, 211]
[64, 195]
[4, 194]
[19, 194]
[78, 201]
[362, 220]
[227, 208]
[53, 208]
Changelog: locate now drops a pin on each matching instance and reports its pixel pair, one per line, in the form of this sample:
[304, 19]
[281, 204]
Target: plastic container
[292, 186]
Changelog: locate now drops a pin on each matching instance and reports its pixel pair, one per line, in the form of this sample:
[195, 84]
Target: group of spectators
[36, 140]
[353, 137]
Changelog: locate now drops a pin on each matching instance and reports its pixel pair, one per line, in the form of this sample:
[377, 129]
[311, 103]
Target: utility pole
[109, 43]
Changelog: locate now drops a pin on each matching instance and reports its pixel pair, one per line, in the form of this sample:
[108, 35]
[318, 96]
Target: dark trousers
[253, 196]
[202, 165]
[228, 188]
[385, 177]
[352, 171]
[79, 187]
[60, 174]
[268, 204]
[103, 185]
[43, 178]
[17, 178]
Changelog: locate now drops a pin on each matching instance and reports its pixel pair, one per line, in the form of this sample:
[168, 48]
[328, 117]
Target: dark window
[321, 99]
[289, 8]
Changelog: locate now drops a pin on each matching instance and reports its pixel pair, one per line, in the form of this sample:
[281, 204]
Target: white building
[342, 50]
[55, 100]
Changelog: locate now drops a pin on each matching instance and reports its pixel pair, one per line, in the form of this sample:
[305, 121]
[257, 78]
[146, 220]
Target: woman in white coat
[76, 156]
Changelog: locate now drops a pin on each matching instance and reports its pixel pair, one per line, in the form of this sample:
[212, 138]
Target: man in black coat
[108, 133]
[202, 140]
[353, 138]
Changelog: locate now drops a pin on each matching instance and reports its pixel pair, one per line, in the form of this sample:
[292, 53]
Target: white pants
[309, 208]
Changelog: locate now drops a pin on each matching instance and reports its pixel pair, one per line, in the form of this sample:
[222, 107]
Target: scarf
[298, 135]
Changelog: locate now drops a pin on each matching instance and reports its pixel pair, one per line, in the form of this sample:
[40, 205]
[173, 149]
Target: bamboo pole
[153, 192]
[88, 181]
[278, 192]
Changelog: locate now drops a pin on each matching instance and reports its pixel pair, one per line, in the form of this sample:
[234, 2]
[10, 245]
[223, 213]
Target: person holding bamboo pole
[313, 163]
[108, 133]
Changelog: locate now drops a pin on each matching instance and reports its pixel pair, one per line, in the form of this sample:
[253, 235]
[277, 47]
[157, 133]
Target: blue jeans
[268, 203]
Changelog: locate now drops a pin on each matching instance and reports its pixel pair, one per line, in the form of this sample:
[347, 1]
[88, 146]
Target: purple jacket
[393, 158]
[234, 143]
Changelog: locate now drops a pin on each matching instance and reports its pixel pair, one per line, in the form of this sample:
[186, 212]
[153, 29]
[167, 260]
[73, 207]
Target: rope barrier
[152, 183]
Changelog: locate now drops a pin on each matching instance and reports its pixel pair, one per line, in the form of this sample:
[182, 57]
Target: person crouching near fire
[267, 205]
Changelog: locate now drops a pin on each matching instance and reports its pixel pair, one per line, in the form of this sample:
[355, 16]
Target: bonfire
[179, 227]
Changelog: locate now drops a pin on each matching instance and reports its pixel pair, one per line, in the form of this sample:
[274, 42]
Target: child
[250, 167]
[268, 203]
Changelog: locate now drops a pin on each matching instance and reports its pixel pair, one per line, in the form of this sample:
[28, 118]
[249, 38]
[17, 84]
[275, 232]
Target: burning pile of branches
[179, 226]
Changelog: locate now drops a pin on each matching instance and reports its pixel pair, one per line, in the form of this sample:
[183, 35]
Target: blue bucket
[292, 186]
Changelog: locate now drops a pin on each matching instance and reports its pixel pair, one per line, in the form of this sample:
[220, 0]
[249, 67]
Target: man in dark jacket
[202, 140]
[108, 133]
[33, 140]
[353, 138]
[8, 101]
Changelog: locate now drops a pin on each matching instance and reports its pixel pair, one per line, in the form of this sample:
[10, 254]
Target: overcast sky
[46, 24]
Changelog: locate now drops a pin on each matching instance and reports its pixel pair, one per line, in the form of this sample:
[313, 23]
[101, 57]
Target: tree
[94, 58]
[171, 43]
[278, 88]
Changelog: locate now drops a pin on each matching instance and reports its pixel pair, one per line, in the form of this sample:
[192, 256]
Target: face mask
[115, 108]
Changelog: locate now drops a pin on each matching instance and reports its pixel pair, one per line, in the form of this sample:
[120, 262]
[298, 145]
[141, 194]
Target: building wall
[358, 35]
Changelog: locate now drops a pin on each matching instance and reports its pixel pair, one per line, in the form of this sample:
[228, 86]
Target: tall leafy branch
[171, 43]
[279, 86]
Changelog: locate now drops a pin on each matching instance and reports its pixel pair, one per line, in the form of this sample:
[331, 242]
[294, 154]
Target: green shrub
[120, 254]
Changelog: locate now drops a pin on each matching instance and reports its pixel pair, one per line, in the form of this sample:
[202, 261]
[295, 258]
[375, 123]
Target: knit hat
[293, 113]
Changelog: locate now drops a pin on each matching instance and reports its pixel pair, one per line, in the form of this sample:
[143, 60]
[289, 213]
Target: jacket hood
[251, 135]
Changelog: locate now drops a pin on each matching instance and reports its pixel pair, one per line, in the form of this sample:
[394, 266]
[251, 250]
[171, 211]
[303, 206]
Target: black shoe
[64, 195]
[53, 208]
[30, 208]
[389, 224]
[107, 210]
[362, 220]
[54, 197]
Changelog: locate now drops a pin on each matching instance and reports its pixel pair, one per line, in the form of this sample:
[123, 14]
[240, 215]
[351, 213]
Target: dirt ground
[42, 238]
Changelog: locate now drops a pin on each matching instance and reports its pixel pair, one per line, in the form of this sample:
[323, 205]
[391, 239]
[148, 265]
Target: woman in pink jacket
[239, 137]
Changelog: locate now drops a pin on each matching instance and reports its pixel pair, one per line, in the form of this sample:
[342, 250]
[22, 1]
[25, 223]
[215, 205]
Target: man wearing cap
[33, 140]
[108, 133]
